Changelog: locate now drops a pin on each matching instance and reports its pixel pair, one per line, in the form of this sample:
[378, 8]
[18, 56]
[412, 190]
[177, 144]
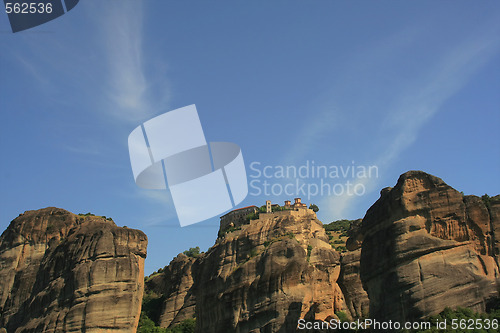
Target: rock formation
[175, 284]
[425, 246]
[421, 247]
[350, 282]
[263, 277]
[60, 272]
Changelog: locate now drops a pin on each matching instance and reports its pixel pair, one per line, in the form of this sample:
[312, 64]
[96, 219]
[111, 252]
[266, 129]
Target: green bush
[193, 252]
[150, 314]
[341, 226]
[341, 248]
[231, 229]
[487, 202]
[252, 216]
[314, 208]
[146, 325]
[342, 315]
[309, 250]
[465, 317]
[185, 326]
[88, 214]
[277, 208]
[152, 305]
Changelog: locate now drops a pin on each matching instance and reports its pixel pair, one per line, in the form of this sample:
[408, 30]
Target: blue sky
[396, 84]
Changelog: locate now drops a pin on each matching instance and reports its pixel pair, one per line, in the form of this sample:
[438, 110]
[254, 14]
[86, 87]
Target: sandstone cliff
[261, 278]
[425, 246]
[421, 247]
[350, 282]
[175, 285]
[60, 272]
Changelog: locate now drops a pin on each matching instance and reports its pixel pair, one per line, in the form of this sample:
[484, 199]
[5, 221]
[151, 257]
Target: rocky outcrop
[355, 237]
[355, 295]
[261, 278]
[60, 272]
[425, 246]
[421, 247]
[175, 285]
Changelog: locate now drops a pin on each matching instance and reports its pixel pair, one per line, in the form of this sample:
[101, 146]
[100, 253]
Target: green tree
[151, 306]
[309, 251]
[314, 208]
[146, 325]
[193, 252]
[487, 201]
[252, 216]
[185, 326]
[342, 316]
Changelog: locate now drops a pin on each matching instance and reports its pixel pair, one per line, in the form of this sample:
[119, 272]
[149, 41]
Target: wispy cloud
[123, 39]
[448, 75]
[317, 129]
[136, 86]
[417, 101]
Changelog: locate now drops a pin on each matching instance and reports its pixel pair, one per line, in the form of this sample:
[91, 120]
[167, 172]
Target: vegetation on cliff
[465, 320]
[314, 208]
[150, 316]
[146, 325]
[193, 252]
[338, 233]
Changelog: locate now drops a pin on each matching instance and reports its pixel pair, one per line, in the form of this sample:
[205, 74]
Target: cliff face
[60, 272]
[421, 247]
[350, 282]
[175, 285]
[262, 278]
[425, 246]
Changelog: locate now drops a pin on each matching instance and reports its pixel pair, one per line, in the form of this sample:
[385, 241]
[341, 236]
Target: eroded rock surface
[261, 278]
[60, 272]
[425, 246]
[350, 282]
[175, 286]
[421, 247]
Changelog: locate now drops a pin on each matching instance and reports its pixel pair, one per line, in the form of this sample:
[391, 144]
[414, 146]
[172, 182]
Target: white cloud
[418, 100]
[136, 86]
[122, 35]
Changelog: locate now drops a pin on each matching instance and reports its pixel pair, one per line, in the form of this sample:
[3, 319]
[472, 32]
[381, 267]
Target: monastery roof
[244, 208]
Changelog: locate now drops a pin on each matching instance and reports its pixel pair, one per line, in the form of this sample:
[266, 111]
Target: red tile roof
[245, 208]
[235, 210]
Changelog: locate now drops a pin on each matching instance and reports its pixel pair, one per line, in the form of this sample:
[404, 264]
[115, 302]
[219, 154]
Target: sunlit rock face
[425, 246]
[262, 277]
[421, 247]
[60, 272]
